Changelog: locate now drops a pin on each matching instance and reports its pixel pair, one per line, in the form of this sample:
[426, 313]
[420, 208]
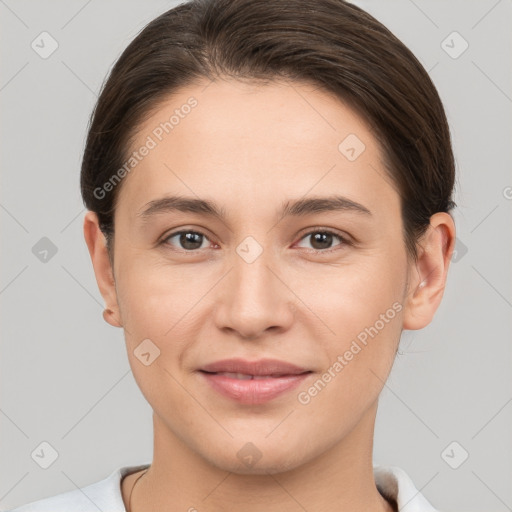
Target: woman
[269, 187]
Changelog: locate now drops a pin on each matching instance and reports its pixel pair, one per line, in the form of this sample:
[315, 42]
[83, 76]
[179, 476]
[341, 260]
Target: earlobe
[427, 278]
[103, 271]
[110, 317]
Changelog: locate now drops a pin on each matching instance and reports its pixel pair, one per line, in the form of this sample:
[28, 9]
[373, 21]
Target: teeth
[242, 376]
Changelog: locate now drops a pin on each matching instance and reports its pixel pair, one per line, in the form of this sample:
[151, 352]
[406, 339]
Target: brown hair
[331, 43]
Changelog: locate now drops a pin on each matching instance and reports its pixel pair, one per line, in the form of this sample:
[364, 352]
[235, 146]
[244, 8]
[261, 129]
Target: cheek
[352, 297]
[157, 300]
[155, 307]
[361, 307]
[367, 324]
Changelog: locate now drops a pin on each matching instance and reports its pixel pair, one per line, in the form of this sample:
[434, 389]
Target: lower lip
[253, 391]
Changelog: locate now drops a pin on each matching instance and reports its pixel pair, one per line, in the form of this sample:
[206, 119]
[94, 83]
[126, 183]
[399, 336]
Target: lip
[260, 367]
[274, 378]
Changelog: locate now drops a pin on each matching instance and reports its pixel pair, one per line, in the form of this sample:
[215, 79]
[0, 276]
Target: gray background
[65, 377]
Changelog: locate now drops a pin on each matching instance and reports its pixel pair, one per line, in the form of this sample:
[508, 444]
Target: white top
[392, 482]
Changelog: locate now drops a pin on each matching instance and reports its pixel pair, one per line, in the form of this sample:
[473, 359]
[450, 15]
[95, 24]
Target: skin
[249, 147]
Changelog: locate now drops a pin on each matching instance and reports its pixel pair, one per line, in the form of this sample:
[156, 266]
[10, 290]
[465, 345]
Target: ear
[96, 244]
[427, 277]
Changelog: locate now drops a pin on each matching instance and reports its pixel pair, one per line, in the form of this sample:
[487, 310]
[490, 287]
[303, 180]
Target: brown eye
[322, 240]
[186, 240]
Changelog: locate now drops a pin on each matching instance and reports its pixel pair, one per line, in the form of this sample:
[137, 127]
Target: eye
[188, 240]
[322, 240]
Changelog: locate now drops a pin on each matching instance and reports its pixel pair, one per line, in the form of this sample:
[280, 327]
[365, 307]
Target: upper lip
[259, 367]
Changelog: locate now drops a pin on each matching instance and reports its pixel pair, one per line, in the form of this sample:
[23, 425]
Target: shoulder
[102, 495]
[395, 484]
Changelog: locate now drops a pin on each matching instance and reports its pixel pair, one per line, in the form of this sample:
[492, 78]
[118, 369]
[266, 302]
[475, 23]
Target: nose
[254, 300]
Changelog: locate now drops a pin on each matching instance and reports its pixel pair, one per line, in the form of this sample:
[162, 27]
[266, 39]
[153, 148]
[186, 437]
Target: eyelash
[344, 241]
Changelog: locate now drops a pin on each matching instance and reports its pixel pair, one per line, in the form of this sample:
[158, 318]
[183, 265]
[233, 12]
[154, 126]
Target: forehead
[236, 139]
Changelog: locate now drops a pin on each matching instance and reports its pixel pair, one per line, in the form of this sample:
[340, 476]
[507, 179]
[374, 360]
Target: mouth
[254, 382]
[245, 376]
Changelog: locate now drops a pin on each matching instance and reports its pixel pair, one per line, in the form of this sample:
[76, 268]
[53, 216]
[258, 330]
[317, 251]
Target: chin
[250, 461]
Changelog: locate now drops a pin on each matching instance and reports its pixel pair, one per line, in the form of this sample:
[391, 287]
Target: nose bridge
[254, 299]
[252, 278]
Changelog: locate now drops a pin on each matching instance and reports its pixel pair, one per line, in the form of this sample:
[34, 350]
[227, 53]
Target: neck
[339, 478]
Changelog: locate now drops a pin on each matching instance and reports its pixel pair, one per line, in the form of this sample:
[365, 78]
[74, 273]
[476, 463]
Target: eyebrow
[298, 208]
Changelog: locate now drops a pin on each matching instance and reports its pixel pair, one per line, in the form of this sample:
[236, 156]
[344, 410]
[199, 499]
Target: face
[297, 256]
